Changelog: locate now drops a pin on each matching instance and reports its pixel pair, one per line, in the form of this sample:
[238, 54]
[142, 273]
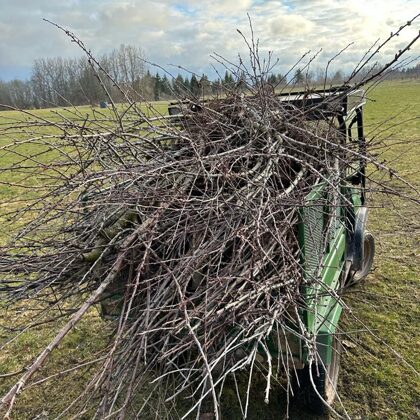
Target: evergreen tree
[228, 80]
[298, 77]
[272, 80]
[205, 85]
[157, 87]
[148, 86]
[165, 86]
[187, 84]
[241, 81]
[337, 78]
[178, 85]
[194, 86]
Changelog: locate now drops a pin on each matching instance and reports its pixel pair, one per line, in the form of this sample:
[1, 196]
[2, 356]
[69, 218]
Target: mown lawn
[378, 377]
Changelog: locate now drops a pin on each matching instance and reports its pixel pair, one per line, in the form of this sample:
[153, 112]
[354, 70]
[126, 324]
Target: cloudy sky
[187, 32]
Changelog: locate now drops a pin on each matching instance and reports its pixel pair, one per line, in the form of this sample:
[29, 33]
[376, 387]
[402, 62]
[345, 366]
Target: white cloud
[225, 7]
[290, 25]
[186, 32]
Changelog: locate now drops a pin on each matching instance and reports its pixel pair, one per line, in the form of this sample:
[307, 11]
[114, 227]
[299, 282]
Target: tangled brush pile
[192, 223]
[182, 228]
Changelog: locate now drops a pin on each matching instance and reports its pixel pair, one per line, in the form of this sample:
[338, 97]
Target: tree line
[319, 77]
[75, 81]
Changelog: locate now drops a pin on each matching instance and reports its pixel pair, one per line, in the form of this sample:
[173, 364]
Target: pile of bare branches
[182, 228]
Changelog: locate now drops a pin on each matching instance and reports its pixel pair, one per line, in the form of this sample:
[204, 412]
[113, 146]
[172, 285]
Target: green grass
[377, 379]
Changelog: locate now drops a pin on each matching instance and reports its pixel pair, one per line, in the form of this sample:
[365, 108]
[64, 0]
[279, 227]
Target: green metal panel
[325, 309]
[311, 231]
[323, 244]
[322, 259]
[355, 197]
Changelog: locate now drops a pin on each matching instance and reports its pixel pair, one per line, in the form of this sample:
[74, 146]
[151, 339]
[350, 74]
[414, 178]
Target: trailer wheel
[367, 259]
[317, 399]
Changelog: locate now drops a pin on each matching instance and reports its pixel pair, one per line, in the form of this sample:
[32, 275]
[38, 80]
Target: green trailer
[336, 251]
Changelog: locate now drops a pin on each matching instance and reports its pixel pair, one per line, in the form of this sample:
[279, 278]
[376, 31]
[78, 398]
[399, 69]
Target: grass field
[378, 378]
[378, 381]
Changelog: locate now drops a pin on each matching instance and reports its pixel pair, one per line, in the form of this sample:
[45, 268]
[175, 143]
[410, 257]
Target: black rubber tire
[325, 379]
[367, 262]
